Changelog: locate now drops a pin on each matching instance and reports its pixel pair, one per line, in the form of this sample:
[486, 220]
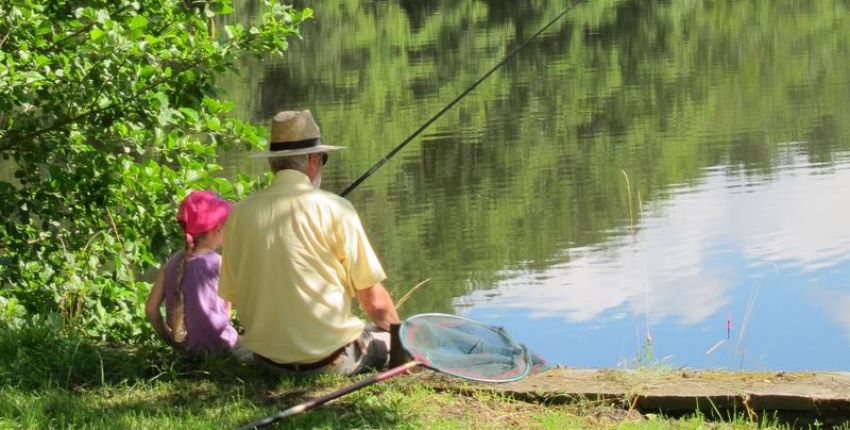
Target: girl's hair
[177, 322]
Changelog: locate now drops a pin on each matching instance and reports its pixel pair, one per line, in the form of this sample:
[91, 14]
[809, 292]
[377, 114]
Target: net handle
[310, 404]
[383, 376]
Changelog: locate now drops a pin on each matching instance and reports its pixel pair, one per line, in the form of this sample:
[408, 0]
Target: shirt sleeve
[359, 259]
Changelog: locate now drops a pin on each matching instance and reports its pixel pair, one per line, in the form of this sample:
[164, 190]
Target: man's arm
[378, 304]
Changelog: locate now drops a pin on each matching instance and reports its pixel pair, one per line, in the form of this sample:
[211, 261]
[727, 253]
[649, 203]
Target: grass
[49, 380]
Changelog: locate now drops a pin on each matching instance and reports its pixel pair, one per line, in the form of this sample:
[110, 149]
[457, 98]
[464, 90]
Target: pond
[646, 183]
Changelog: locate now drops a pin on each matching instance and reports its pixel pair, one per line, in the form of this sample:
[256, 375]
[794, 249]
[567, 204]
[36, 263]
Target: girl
[198, 320]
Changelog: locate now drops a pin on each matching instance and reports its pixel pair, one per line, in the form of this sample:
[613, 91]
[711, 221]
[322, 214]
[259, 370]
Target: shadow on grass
[51, 380]
[181, 406]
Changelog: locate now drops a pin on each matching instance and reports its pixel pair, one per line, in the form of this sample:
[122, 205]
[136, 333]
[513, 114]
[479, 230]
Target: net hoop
[511, 351]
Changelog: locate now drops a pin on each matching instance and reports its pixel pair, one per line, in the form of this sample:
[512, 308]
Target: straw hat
[295, 133]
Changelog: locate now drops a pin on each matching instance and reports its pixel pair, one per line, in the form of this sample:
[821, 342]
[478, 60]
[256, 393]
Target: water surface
[649, 182]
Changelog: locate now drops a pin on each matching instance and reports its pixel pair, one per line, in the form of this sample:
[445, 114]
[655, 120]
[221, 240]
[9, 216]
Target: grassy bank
[48, 380]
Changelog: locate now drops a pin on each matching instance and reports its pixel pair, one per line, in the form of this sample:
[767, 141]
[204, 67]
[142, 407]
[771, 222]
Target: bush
[108, 116]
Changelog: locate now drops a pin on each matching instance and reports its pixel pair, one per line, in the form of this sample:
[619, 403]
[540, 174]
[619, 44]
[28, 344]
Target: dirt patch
[489, 410]
[798, 397]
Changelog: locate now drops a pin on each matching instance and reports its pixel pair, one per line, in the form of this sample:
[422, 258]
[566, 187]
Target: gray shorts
[371, 351]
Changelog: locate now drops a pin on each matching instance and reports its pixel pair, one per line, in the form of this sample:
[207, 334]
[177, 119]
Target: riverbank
[51, 380]
[199, 401]
[214, 396]
[798, 398]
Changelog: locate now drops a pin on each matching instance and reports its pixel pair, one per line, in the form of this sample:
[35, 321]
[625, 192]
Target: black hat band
[299, 144]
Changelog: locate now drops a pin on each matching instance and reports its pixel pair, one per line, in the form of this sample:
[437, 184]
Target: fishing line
[422, 128]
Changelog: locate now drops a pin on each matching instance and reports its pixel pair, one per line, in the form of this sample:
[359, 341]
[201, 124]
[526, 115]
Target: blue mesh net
[466, 348]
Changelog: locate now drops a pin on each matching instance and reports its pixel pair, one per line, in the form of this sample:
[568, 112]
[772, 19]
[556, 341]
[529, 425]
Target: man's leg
[240, 352]
[369, 352]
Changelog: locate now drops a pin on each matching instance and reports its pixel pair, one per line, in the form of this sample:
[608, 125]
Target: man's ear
[313, 164]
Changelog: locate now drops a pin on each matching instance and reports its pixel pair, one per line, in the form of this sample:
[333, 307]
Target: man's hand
[378, 304]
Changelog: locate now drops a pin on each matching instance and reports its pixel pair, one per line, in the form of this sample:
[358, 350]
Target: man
[295, 256]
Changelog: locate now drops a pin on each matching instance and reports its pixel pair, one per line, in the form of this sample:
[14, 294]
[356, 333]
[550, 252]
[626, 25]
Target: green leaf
[190, 113]
[214, 124]
[138, 22]
[212, 104]
[96, 34]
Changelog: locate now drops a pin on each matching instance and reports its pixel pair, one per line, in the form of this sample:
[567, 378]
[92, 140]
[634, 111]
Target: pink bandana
[200, 212]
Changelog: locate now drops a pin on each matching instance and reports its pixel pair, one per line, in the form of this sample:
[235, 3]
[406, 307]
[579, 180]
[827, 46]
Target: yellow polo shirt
[292, 259]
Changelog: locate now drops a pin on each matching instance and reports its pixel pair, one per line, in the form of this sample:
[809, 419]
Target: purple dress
[207, 321]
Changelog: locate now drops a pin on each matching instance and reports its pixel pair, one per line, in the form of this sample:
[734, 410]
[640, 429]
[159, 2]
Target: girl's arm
[152, 307]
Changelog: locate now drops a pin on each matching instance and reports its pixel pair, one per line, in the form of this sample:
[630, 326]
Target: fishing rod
[434, 118]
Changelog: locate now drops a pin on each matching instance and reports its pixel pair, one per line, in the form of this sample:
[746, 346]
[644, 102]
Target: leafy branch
[90, 101]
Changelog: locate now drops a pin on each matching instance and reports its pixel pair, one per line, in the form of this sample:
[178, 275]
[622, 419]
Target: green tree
[108, 116]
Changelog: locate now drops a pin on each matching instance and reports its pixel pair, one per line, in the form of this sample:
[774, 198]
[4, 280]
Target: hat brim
[301, 151]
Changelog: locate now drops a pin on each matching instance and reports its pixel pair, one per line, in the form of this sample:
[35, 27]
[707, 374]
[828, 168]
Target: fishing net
[446, 343]
[465, 348]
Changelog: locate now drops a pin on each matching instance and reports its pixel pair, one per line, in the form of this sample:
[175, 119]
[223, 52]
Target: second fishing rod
[454, 101]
